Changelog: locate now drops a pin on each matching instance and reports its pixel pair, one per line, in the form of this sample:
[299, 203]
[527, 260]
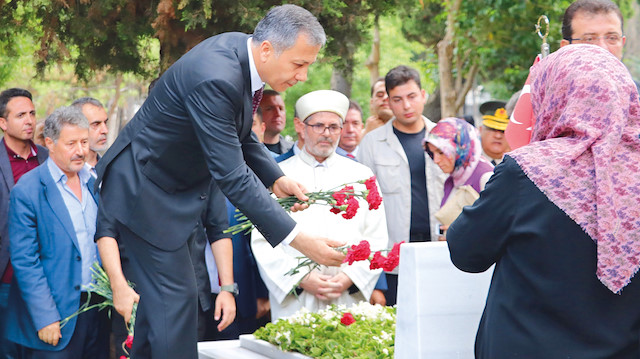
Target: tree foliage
[115, 34]
[497, 35]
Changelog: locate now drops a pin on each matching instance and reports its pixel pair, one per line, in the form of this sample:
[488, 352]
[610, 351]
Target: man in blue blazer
[195, 126]
[18, 155]
[51, 227]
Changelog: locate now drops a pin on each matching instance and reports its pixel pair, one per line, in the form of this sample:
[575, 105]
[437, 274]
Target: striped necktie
[257, 97]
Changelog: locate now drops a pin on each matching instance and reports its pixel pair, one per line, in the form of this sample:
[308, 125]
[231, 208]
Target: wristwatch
[231, 288]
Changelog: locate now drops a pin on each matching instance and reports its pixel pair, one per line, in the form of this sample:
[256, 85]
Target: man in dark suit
[18, 154]
[196, 126]
[51, 226]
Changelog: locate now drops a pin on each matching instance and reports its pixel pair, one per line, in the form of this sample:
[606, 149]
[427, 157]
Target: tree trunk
[445, 63]
[432, 108]
[114, 126]
[373, 62]
[341, 80]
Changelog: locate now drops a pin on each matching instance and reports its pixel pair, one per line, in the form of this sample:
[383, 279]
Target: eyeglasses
[320, 128]
[611, 39]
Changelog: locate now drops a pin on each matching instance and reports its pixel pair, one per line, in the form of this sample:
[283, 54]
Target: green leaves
[321, 335]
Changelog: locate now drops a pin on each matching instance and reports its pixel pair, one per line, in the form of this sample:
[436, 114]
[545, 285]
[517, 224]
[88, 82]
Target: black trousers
[166, 323]
[392, 289]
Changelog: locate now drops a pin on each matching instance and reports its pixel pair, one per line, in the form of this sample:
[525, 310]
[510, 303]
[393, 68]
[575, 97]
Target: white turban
[322, 101]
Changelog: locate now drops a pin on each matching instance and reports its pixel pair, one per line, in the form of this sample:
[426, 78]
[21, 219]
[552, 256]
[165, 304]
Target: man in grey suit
[18, 155]
[194, 127]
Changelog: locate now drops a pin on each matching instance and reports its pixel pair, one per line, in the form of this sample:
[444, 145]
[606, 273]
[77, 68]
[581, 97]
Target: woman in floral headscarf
[561, 219]
[454, 146]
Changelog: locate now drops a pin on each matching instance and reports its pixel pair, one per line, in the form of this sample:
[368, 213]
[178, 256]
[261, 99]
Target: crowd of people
[558, 217]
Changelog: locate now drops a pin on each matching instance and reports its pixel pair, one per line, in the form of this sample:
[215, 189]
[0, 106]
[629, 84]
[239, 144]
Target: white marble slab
[267, 349]
[439, 306]
[247, 347]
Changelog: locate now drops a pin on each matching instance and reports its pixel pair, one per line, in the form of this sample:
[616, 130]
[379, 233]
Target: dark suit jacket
[545, 300]
[46, 261]
[195, 125]
[6, 184]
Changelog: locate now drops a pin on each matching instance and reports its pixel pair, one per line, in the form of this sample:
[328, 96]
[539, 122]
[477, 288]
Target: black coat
[545, 300]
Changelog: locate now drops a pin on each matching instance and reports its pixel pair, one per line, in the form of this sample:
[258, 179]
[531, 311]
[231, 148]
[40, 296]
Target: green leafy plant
[361, 331]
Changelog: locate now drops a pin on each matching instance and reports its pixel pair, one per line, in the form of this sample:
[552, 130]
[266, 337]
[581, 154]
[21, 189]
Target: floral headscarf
[458, 140]
[585, 152]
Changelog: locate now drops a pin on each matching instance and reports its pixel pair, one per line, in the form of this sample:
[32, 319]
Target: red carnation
[129, 342]
[339, 197]
[377, 261]
[374, 199]
[352, 208]
[396, 249]
[391, 262]
[347, 319]
[358, 252]
[371, 183]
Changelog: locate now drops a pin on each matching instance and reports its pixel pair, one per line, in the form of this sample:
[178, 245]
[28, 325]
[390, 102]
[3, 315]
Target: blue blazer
[6, 185]
[46, 261]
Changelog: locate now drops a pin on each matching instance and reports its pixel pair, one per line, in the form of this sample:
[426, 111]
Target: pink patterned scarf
[585, 152]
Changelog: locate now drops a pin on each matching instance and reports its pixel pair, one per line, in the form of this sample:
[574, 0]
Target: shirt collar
[307, 158]
[58, 175]
[12, 154]
[256, 81]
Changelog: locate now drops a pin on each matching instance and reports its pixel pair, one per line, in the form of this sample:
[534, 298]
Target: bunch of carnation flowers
[341, 199]
[101, 286]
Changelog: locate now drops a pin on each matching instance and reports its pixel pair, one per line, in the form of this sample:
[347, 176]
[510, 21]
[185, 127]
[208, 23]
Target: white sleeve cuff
[289, 238]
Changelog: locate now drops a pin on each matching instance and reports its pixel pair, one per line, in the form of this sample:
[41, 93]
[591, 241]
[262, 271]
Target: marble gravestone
[439, 306]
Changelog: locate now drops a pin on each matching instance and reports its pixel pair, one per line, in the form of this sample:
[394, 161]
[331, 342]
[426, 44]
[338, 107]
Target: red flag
[518, 132]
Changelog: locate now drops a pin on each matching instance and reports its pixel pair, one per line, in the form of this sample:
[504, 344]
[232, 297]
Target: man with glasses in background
[595, 22]
[319, 168]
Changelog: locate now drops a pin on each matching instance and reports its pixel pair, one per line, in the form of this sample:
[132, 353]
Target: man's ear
[3, 123]
[48, 142]
[266, 50]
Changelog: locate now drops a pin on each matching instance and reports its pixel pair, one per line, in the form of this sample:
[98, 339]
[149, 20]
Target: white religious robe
[367, 224]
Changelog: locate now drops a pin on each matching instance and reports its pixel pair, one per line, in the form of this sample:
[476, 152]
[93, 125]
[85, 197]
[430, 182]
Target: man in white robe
[318, 167]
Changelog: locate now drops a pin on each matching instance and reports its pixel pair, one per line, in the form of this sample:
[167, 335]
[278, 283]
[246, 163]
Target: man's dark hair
[7, 95]
[270, 92]
[355, 106]
[589, 7]
[400, 75]
[379, 79]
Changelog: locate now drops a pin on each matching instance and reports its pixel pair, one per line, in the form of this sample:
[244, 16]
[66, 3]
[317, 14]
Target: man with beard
[319, 168]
